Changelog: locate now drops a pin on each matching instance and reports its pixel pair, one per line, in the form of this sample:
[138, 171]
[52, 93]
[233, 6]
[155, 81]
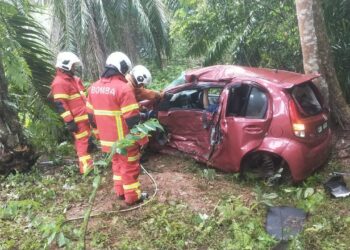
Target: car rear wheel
[267, 167]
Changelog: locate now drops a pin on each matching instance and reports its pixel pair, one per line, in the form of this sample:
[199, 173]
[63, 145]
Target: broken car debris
[336, 185]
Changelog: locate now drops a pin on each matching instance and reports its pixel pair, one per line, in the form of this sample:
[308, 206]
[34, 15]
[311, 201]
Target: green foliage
[52, 230]
[31, 216]
[45, 129]
[99, 240]
[28, 71]
[337, 19]
[232, 226]
[254, 33]
[307, 198]
[93, 29]
[208, 174]
[263, 197]
[138, 132]
[246, 229]
[163, 77]
[24, 53]
[14, 208]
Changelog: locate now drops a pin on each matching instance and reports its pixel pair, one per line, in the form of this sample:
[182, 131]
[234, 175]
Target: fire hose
[126, 209]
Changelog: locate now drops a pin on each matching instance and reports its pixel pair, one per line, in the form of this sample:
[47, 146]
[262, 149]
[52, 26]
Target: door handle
[253, 130]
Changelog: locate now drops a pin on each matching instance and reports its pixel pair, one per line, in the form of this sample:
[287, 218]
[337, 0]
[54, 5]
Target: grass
[33, 207]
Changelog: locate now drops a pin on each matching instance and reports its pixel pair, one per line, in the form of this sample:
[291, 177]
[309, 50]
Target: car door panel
[186, 131]
[238, 135]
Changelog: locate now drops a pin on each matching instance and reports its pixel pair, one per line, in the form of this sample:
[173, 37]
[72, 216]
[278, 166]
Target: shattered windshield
[178, 81]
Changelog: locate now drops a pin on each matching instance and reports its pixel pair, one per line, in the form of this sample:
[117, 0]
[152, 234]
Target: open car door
[188, 124]
[244, 120]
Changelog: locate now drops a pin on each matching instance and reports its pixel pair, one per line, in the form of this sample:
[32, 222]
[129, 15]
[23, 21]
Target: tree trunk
[98, 44]
[318, 58]
[129, 44]
[15, 152]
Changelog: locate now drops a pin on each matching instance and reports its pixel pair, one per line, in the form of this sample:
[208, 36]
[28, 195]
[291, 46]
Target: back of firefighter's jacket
[112, 101]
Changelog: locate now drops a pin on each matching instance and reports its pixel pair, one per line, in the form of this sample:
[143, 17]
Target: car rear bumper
[304, 159]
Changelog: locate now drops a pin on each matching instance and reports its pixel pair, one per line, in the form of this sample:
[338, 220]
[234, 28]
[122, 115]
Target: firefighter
[113, 107]
[70, 102]
[138, 79]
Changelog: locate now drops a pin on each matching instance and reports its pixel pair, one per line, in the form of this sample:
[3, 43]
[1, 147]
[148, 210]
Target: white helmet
[65, 60]
[120, 61]
[141, 75]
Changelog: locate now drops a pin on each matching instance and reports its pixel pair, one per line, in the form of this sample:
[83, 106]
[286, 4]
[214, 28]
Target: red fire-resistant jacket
[112, 102]
[69, 97]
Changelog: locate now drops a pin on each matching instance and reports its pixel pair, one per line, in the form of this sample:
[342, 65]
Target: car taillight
[297, 125]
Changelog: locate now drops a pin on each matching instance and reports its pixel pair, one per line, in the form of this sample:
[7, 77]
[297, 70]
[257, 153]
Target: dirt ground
[185, 184]
[177, 182]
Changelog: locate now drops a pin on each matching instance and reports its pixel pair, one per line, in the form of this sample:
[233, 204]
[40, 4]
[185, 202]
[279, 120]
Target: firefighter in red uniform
[70, 102]
[112, 103]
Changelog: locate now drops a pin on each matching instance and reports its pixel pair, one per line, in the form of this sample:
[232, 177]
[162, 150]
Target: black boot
[120, 197]
[144, 196]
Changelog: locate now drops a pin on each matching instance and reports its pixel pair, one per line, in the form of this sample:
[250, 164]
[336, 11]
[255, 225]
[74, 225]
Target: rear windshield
[305, 97]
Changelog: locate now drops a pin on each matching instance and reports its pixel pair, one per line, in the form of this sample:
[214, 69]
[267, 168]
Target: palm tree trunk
[317, 57]
[15, 152]
[129, 42]
[98, 44]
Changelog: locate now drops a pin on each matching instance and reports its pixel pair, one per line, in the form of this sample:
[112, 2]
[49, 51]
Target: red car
[242, 119]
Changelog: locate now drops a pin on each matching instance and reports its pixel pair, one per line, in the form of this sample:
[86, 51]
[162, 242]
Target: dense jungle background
[196, 207]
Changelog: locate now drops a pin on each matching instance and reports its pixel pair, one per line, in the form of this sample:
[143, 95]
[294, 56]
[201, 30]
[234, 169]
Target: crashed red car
[243, 119]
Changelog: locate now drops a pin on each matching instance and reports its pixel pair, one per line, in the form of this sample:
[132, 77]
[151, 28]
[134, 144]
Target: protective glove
[72, 126]
[146, 115]
[143, 116]
[152, 114]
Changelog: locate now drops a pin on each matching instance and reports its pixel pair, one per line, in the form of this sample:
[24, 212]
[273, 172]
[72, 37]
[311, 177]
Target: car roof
[226, 73]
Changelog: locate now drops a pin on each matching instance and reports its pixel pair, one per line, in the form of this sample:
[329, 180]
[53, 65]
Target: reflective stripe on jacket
[111, 101]
[69, 92]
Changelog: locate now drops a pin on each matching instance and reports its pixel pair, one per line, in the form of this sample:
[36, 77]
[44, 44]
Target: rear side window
[257, 104]
[306, 100]
[247, 101]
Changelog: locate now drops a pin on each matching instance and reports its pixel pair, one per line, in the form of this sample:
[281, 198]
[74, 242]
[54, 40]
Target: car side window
[257, 104]
[187, 99]
[203, 99]
[247, 101]
[210, 99]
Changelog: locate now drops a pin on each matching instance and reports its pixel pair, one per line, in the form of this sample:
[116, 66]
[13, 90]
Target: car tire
[267, 167]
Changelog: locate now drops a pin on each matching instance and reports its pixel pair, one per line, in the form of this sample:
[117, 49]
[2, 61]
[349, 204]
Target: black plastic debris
[283, 223]
[337, 186]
